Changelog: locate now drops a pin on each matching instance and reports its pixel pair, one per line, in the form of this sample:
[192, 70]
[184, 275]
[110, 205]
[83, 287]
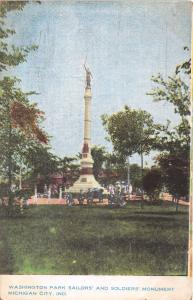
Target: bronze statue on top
[88, 76]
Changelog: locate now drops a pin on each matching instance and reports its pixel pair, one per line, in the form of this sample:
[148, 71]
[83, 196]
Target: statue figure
[88, 76]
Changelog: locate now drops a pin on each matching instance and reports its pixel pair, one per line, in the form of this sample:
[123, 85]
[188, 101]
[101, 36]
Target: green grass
[94, 240]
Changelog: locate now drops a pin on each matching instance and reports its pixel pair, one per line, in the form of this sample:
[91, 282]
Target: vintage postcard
[95, 158]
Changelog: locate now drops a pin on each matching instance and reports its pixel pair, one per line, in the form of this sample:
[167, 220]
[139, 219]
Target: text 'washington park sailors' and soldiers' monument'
[86, 180]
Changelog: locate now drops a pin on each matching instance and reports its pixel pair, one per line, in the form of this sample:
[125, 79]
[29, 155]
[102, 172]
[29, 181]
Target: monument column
[86, 180]
[87, 161]
[87, 116]
[87, 121]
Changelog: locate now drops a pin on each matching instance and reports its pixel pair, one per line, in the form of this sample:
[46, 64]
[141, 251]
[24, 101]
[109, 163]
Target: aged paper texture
[95, 150]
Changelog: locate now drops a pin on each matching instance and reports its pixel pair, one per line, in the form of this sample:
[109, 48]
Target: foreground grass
[83, 240]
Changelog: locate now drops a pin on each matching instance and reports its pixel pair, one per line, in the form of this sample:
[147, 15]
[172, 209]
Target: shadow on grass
[165, 213]
[170, 222]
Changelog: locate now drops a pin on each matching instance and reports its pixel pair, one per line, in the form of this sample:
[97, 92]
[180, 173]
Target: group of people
[90, 195]
[115, 196]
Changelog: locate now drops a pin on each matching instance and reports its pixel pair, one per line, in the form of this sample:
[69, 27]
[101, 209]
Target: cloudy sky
[125, 43]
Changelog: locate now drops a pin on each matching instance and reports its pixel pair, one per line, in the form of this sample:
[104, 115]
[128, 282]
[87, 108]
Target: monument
[86, 180]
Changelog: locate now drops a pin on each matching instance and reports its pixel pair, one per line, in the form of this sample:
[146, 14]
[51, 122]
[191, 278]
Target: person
[81, 198]
[100, 195]
[49, 193]
[89, 196]
[69, 199]
[130, 189]
[117, 195]
[111, 197]
[122, 198]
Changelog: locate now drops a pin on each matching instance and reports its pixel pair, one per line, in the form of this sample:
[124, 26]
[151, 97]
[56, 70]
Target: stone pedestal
[86, 180]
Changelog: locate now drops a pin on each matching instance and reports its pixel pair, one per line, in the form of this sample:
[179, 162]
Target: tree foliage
[69, 168]
[20, 129]
[20, 119]
[130, 131]
[174, 141]
[174, 89]
[99, 156]
[152, 183]
[10, 55]
[42, 163]
[136, 176]
[175, 173]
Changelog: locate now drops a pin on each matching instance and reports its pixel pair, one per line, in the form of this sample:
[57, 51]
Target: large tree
[152, 183]
[20, 129]
[130, 131]
[174, 140]
[20, 119]
[42, 163]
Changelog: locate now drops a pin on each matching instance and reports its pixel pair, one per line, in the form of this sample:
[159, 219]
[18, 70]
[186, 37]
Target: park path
[57, 201]
[168, 197]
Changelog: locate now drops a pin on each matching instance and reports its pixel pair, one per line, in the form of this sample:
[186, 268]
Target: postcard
[95, 150]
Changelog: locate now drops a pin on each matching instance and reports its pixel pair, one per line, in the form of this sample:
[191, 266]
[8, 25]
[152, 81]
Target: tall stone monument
[86, 180]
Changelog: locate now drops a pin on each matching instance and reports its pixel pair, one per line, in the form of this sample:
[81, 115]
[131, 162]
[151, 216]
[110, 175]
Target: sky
[124, 42]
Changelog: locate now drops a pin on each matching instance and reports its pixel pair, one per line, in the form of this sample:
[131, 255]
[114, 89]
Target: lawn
[96, 240]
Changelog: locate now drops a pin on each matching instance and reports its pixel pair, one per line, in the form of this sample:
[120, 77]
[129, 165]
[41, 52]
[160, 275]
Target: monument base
[84, 183]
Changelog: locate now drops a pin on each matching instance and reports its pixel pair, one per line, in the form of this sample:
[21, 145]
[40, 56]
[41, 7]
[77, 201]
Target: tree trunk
[142, 195]
[20, 178]
[128, 176]
[10, 172]
[177, 202]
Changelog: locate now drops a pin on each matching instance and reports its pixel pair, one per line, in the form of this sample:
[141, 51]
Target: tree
[175, 173]
[11, 56]
[20, 120]
[19, 129]
[69, 168]
[113, 169]
[175, 89]
[135, 176]
[42, 163]
[99, 156]
[152, 183]
[130, 131]
[174, 142]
